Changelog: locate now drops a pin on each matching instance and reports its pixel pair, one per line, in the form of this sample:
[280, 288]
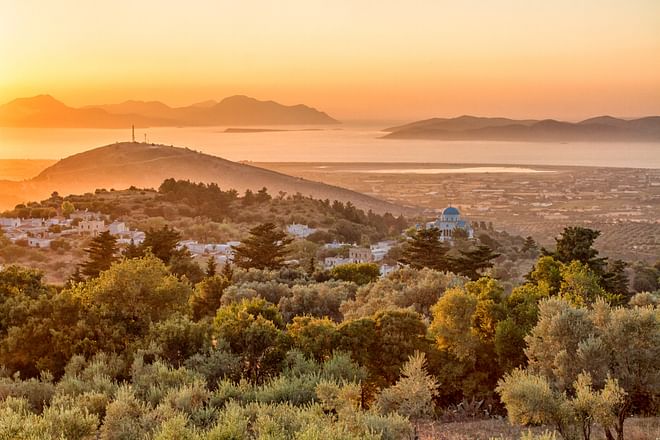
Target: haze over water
[345, 143]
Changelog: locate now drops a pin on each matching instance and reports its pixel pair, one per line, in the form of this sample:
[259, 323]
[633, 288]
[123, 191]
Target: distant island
[44, 111]
[600, 129]
[264, 130]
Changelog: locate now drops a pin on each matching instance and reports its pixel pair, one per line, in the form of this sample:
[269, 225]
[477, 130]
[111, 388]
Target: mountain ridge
[46, 111]
[599, 128]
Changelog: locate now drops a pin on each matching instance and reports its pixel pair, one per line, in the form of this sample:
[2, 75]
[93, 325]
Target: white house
[92, 227]
[300, 231]
[8, 222]
[39, 242]
[331, 262]
[380, 249]
[117, 228]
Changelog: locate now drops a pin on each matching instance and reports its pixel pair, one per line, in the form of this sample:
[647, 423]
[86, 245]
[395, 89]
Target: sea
[342, 143]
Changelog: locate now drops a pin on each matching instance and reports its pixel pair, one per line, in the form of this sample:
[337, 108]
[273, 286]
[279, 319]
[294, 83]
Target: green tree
[314, 337]
[163, 243]
[101, 253]
[265, 248]
[618, 343]
[424, 249]
[358, 273]
[615, 280]
[412, 395]
[580, 285]
[472, 262]
[67, 208]
[253, 330]
[206, 299]
[125, 300]
[211, 267]
[576, 244]
[546, 274]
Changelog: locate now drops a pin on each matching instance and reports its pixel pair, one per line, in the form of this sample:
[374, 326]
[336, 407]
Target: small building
[300, 231]
[360, 255]
[117, 228]
[9, 222]
[449, 221]
[330, 262]
[386, 269]
[91, 227]
[38, 242]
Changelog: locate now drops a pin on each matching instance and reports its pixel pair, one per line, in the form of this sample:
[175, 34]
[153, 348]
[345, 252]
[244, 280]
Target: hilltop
[128, 164]
[601, 129]
[46, 111]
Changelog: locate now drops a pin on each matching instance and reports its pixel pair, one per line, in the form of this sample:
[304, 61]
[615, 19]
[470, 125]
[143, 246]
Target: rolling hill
[142, 165]
[600, 129]
[46, 111]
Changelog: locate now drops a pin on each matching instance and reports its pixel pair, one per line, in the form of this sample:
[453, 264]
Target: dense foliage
[148, 345]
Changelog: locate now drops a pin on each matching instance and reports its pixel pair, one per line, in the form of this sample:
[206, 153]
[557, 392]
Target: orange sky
[355, 59]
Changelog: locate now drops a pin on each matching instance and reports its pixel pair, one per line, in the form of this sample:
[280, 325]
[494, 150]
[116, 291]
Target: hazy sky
[352, 58]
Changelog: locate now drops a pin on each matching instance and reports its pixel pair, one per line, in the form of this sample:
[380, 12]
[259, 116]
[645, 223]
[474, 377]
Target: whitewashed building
[299, 230]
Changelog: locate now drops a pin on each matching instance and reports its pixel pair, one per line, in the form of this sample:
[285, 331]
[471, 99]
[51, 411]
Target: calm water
[345, 144]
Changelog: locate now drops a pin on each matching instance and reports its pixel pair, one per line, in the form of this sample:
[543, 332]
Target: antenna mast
[133, 132]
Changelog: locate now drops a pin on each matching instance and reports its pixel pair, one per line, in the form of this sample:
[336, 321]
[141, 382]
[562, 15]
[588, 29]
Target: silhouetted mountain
[460, 123]
[601, 129]
[45, 111]
[146, 166]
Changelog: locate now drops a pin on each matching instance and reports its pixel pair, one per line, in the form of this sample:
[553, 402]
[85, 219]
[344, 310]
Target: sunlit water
[343, 144]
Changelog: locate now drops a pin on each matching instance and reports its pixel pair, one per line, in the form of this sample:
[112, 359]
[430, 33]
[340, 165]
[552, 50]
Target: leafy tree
[265, 248]
[531, 399]
[546, 274]
[471, 262]
[404, 288]
[100, 254]
[646, 278]
[205, 300]
[125, 300]
[521, 316]
[580, 285]
[412, 395]
[253, 330]
[358, 273]
[319, 300]
[178, 338]
[618, 343]
[424, 249]
[465, 323]
[314, 337]
[67, 208]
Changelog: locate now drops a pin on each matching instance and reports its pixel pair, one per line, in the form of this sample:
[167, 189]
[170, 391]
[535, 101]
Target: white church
[448, 222]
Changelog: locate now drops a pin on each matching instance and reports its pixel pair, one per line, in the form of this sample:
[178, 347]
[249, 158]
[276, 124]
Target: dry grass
[636, 429]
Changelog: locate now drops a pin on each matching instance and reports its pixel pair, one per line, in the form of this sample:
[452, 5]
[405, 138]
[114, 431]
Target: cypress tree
[100, 255]
[265, 248]
[424, 249]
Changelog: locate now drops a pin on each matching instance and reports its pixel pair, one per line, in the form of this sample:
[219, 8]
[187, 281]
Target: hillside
[601, 129]
[128, 164]
[46, 111]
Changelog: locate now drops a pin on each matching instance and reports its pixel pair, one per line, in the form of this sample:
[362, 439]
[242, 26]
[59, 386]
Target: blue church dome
[450, 211]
